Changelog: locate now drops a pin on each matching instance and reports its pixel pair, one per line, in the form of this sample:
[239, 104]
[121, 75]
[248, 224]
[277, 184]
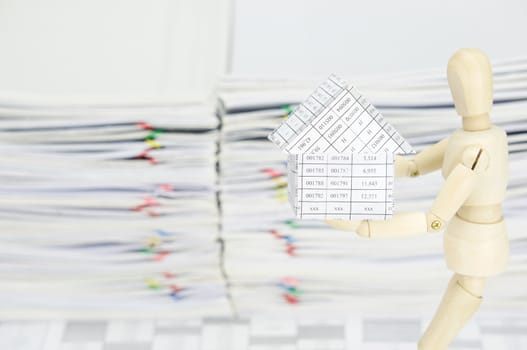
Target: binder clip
[290, 281]
[152, 284]
[166, 187]
[153, 134]
[281, 194]
[288, 109]
[276, 234]
[148, 202]
[153, 144]
[272, 173]
[280, 183]
[291, 299]
[153, 242]
[175, 292]
[162, 233]
[291, 291]
[169, 275]
[145, 155]
[292, 224]
[144, 126]
[290, 247]
[161, 255]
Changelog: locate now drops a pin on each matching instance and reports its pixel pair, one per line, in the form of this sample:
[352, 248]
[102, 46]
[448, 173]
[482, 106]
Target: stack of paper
[271, 259]
[109, 209]
[276, 263]
[171, 211]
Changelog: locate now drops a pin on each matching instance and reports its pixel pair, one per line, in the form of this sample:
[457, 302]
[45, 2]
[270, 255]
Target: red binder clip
[144, 126]
[145, 155]
[161, 255]
[291, 250]
[276, 234]
[290, 281]
[271, 172]
[148, 202]
[151, 202]
[175, 288]
[291, 299]
[166, 187]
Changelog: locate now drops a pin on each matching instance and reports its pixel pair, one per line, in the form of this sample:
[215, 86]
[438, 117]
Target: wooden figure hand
[358, 226]
[426, 161]
[404, 167]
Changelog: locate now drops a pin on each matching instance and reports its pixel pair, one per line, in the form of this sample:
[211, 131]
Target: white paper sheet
[337, 118]
[341, 186]
[341, 155]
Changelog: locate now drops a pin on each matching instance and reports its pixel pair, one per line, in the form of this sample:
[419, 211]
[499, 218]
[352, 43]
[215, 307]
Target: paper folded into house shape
[341, 154]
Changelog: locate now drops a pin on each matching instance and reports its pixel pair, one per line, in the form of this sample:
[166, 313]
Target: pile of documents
[181, 211]
[273, 259]
[109, 208]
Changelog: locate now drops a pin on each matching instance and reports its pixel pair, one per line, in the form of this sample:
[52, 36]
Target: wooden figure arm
[458, 186]
[428, 160]
[401, 224]
[455, 191]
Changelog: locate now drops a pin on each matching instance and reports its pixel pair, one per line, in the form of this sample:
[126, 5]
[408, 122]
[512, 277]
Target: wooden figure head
[470, 80]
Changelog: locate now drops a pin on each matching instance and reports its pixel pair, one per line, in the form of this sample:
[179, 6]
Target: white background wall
[177, 49]
[112, 49]
[356, 37]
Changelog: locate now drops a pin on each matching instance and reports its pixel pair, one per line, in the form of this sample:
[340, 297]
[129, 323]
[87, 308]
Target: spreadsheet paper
[341, 186]
[337, 118]
[341, 155]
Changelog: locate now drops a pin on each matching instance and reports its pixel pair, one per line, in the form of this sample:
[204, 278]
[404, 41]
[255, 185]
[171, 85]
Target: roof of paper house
[337, 118]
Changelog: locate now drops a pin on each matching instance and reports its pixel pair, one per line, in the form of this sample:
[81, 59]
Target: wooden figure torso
[475, 241]
[492, 182]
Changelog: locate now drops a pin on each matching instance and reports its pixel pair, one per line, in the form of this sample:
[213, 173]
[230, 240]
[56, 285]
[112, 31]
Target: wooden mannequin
[474, 163]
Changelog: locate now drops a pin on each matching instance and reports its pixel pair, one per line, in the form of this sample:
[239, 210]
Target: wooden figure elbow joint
[474, 162]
